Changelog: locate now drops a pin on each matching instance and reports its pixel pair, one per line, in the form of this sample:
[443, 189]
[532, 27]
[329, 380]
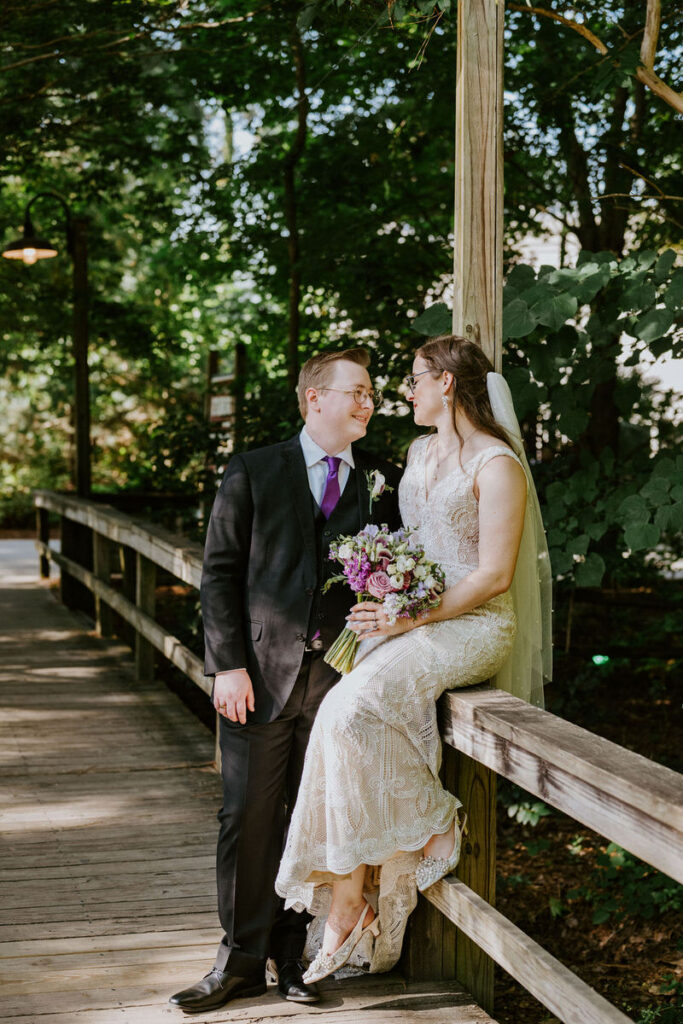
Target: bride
[372, 819]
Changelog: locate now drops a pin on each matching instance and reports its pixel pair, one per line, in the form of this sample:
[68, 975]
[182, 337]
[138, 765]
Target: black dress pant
[261, 767]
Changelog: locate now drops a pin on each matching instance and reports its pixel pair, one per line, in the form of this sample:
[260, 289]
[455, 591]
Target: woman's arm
[501, 490]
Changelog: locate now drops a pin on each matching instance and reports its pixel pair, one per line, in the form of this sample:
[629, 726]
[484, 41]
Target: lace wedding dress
[370, 791]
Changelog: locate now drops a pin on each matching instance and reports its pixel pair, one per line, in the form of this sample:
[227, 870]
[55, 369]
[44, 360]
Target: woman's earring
[445, 403]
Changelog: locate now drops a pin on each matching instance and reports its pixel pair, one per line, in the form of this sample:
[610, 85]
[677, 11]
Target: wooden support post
[476, 787]
[478, 315]
[101, 561]
[76, 545]
[128, 566]
[145, 599]
[429, 950]
[478, 225]
[43, 534]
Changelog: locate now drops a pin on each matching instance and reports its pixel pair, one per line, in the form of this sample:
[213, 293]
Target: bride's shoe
[430, 869]
[328, 963]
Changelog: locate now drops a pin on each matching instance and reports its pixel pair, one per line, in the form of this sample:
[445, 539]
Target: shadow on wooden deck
[107, 890]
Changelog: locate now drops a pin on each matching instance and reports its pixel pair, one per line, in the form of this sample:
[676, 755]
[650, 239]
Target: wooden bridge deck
[108, 828]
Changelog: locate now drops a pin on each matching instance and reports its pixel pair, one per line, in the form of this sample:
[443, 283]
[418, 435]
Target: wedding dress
[370, 791]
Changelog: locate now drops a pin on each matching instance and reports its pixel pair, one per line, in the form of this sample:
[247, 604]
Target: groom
[267, 626]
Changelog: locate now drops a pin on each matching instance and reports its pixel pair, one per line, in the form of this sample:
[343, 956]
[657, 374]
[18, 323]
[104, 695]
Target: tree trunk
[291, 160]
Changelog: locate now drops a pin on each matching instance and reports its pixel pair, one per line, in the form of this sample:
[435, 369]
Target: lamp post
[30, 248]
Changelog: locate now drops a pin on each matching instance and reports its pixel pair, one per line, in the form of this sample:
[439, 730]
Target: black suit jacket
[261, 568]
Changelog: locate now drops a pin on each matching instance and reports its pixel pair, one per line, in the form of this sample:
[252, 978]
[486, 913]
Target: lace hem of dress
[372, 852]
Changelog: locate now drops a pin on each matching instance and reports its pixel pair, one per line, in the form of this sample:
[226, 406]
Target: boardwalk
[108, 829]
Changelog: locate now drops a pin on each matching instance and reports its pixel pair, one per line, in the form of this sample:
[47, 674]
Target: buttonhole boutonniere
[377, 485]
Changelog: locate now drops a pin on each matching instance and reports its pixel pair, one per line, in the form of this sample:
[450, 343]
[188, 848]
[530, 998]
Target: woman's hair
[469, 366]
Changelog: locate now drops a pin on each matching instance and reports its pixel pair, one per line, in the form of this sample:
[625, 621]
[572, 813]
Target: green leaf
[597, 530]
[561, 561]
[305, 19]
[670, 517]
[579, 545]
[673, 293]
[664, 265]
[590, 572]
[555, 310]
[436, 320]
[518, 320]
[654, 324]
[641, 536]
[521, 277]
[633, 511]
[656, 490]
[642, 296]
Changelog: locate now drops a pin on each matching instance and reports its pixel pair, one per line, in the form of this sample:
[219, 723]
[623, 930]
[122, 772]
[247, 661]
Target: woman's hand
[368, 619]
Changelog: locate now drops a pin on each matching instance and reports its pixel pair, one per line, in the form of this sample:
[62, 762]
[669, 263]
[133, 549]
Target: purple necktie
[331, 494]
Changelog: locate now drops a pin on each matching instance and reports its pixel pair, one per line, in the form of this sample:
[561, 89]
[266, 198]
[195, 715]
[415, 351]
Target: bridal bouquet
[386, 567]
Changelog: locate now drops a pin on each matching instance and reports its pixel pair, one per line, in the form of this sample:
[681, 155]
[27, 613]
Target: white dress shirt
[316, 467]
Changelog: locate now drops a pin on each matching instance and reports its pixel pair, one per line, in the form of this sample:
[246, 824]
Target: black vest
[329, 610]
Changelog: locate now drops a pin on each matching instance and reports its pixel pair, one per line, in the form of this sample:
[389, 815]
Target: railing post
[476, 787]
[68, 586]
[429, 951]
[101, 559]
[43, 533]
[127, 566]
[145, 599]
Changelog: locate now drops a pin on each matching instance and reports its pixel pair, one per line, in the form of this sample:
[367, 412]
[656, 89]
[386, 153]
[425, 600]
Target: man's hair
[315, 373]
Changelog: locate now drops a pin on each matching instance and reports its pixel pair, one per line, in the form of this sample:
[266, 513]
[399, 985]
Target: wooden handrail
[621, 795]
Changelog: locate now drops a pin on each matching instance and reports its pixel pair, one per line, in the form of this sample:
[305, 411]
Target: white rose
[378, 484]
[410, 564]
[396, 581]
[420, 572]
[346, 551]
[430, 582]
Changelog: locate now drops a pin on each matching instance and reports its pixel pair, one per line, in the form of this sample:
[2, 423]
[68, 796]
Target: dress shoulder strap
[493, 451]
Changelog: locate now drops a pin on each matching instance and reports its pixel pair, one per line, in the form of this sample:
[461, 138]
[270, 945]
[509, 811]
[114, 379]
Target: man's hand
[233, 695]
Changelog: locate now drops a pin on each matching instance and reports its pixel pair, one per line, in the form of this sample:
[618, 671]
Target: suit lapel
[300, 493]
[364, 511]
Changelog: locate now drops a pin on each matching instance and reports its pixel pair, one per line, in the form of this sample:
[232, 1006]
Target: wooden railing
[455, 932]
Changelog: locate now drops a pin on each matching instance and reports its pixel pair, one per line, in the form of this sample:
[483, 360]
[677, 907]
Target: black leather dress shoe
[216, 988]
[291, 985]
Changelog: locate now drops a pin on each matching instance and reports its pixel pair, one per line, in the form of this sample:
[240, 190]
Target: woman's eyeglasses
[411, 379]
[360, 395]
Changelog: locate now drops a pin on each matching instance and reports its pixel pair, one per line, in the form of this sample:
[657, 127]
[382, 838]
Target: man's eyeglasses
[360, 395]
[411, 379]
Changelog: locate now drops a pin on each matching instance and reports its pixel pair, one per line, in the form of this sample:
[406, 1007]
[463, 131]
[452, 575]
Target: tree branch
[648, 47]
[574, 25]
[660, 88]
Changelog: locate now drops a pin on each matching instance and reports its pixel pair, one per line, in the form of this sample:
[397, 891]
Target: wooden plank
[145, 600]
[619, 794]
[478, 220]
[384, 998]
[181, 557]
[553, 984]
[170, 646]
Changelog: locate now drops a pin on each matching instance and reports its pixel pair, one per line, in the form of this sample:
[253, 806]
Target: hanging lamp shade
[29, 247]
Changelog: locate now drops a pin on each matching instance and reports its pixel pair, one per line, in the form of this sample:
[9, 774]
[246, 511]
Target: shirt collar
[314, 453]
